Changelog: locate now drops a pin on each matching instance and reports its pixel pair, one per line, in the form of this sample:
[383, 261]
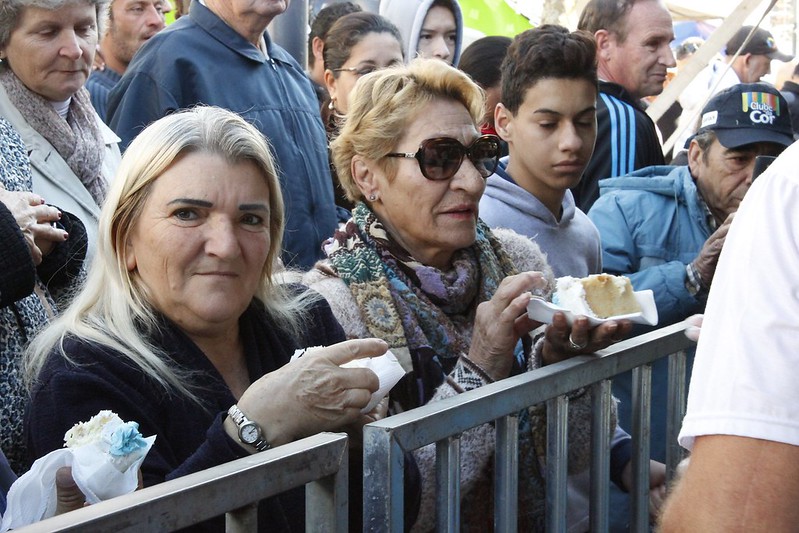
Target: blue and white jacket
[626, 140]
[652, 224]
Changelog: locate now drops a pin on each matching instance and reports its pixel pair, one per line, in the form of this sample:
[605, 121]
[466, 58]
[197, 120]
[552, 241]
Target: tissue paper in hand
[105, 454]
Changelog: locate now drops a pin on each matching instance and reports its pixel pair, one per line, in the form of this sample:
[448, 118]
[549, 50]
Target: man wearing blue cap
[664, 226]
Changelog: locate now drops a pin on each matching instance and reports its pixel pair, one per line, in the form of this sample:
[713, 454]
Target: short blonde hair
[385, 102]
[113, 308]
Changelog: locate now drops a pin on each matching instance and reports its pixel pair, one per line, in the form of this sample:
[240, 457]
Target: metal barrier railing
[233, 489]
[442, 422]
[320, 461]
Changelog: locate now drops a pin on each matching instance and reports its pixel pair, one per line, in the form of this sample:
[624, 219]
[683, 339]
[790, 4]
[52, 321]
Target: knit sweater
[477, 445]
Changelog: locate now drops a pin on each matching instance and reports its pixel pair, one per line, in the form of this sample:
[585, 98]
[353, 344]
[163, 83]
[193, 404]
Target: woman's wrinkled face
[374, 52]
[51, 51]
[431, 219]
[202, 240]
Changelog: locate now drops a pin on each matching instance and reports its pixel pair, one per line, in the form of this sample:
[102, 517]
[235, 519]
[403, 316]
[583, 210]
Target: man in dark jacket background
[633, 55]
[220, 54]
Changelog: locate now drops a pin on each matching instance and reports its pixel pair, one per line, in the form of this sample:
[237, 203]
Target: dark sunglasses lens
[441, 158]
[485, 155]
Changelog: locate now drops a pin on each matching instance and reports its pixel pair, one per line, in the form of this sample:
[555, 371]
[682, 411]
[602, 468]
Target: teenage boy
[547, 115]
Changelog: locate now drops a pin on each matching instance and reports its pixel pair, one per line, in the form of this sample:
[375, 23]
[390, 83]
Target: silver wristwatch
[250, 433]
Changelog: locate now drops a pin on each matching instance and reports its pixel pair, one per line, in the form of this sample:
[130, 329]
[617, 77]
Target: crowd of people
[184, 208]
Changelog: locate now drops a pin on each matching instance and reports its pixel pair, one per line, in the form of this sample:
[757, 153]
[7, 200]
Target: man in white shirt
[742, 421]
[752, 63]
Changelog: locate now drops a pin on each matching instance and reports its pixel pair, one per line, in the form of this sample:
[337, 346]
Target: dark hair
[324, 20]
[481, 60]
[348, 31]
[549, 51]
[610, 15]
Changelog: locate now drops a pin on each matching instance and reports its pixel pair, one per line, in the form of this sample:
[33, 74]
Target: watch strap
[240, 419]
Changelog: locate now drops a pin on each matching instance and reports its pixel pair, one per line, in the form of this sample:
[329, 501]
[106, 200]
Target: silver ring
[575, 346]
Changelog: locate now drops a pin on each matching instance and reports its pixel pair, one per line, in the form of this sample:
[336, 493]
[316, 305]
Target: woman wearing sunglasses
[417, 268]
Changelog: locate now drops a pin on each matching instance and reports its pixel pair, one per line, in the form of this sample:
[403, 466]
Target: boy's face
[551, 137]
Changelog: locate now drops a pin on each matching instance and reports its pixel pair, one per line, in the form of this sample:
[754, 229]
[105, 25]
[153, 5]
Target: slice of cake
[120, 440]
[599, 295]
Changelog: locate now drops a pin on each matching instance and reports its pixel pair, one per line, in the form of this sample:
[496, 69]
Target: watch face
[249, 433]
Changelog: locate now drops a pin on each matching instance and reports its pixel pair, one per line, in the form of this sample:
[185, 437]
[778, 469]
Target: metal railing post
[383, 496]
[676, 410]
[326, 500]
[642, 400]
[557, 463]
[600, 455]
[506, 473]
[448, 485]
[242, 520]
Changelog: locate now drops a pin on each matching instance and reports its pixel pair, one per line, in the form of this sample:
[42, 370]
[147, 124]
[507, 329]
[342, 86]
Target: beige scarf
[77, 139]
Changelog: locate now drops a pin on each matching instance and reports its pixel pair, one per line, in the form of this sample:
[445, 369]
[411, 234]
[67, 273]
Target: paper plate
[543, 311]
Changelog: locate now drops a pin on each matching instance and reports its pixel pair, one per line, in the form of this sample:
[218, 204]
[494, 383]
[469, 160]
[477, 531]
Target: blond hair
[383, 103]
[113, 309]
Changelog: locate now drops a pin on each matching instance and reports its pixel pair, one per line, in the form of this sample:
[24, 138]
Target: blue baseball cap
[748, 113]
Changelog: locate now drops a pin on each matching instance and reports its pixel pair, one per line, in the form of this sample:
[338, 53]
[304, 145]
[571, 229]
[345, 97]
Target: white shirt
[745, 379]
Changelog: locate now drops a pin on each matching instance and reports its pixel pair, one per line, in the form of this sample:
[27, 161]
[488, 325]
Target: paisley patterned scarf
[417, 308]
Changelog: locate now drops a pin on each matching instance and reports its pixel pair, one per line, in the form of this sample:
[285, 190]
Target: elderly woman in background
[47, 48]
[181, 328]
[41, 255]
[417, 268]
[357, 44]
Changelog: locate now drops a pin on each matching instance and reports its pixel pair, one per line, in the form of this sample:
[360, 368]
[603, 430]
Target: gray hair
[113, 308]
[11, 11]
[704, 139]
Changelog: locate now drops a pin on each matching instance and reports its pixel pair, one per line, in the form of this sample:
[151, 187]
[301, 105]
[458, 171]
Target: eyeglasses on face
[358, 71]
[441, 157]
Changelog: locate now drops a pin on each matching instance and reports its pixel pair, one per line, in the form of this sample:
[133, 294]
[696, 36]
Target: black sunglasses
[441, 157]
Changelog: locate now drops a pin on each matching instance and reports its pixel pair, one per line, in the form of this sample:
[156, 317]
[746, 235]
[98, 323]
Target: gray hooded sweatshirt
[572, 243]
[408, 16]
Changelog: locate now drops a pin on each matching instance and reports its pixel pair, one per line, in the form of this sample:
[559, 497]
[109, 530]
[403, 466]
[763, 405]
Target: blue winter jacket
[652, 224]
[201, 60]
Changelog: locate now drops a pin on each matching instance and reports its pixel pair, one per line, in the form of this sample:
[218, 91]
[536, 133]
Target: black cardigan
[189, 438]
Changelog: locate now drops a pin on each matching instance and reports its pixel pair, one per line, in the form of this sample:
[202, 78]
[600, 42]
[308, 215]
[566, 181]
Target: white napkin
[388, 371]
[32, 497]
